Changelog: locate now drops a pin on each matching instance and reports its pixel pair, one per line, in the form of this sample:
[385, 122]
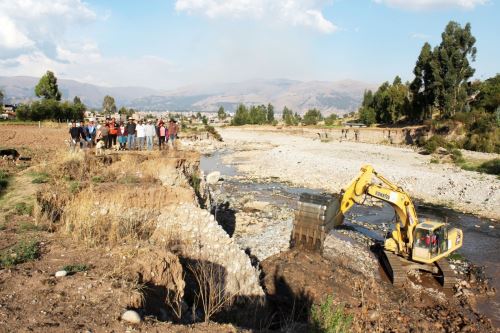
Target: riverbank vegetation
[442, 95]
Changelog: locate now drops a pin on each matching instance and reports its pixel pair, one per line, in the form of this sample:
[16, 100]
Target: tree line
[50, 106]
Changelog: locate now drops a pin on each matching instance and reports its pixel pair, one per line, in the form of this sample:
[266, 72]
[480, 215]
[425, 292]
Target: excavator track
[394, 268]
[448, 277]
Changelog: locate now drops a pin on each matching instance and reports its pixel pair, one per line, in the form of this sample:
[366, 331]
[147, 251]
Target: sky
[166, 44]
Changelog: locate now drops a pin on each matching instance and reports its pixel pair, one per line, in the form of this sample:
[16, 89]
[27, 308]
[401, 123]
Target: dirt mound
[296, 280]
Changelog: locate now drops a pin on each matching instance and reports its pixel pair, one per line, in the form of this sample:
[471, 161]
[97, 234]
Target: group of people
[124, 136]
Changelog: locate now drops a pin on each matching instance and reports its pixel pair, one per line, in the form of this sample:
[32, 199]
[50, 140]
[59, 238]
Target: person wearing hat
[150, 134]
[172, 131]
[140, 131]
[131, 130]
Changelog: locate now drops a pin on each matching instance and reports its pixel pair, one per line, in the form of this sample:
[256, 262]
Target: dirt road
[330, 166]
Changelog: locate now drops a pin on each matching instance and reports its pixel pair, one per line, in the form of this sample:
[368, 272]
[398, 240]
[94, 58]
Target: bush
[19, 253]
[431, 145]
[331, 119]
[456, 156]
[328, 318]
[492, 167]
[39, 177]
[213, 131]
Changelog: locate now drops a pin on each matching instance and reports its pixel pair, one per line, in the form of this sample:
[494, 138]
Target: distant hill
[337, 97]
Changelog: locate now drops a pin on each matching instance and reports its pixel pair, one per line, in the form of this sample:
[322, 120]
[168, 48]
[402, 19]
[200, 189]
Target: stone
[253, 206]
[61, 273]
[213, 177]
[131, 316]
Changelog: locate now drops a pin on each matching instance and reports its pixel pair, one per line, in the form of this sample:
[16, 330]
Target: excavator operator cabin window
[423, 238]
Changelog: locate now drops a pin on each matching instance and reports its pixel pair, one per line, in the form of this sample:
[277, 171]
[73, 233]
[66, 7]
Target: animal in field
[9, 154]
[99, 148]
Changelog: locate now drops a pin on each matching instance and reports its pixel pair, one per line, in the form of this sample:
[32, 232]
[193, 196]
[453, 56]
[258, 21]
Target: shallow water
[481, 244]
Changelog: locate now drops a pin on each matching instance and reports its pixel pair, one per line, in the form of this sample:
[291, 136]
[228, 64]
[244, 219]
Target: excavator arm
[363, 185]
[311, 209]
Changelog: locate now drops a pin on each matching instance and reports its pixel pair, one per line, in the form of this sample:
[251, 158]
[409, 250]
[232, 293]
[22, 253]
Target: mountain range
[329, 97]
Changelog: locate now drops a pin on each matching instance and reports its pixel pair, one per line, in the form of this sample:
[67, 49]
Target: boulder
[255, 206]
[131, 316]
[61, 273]
[213, 177]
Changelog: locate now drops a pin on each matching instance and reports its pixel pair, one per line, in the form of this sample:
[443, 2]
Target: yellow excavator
[410, 245]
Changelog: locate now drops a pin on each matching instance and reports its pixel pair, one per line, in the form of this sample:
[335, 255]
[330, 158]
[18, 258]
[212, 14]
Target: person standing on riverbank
[162, 133]
[150, 134]
[140, 131]
[172, 132]
[130, 128]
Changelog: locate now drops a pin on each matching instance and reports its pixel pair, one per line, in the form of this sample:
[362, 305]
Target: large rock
[131, 316]
[213, 177]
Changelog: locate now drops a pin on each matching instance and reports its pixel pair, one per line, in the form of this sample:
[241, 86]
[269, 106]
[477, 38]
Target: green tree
[452, 69]
[1, 100]
[422, 87]
[108, 105]
[198, 115]
[488, 94]
[331, 119]
[257, 115]
[312, 117]
[270, 113]
[221, 114]
[241, 117]
[47, 87]
[287, 116]
[77, 100]
[204, 120]
[367, 115]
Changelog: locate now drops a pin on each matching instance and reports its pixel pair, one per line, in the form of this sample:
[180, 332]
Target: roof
[430, 225]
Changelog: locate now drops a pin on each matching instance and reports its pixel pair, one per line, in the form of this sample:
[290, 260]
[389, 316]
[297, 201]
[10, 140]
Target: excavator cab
[434, 240]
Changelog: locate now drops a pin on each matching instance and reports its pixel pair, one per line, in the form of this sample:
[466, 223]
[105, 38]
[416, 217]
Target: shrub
[435, 160]
[434, 142]
[312, 117]
[492, 167]
[456, 156]
[74, 187]
[40, 177]
[213, 131]
[328, 318]
[22, 252]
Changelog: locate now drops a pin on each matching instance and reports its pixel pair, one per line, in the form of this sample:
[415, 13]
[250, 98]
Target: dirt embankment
[330, 166]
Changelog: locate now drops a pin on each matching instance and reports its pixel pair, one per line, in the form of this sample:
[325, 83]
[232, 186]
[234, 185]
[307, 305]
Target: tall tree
[423, 87]
[47, 87]
[452, 68]
[108, 105]
[312, 117]
[270, 113]
[77, 100]
[221, 114]
[1, 100]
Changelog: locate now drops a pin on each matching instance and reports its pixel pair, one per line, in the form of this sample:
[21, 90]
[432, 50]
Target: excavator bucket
[314, 218]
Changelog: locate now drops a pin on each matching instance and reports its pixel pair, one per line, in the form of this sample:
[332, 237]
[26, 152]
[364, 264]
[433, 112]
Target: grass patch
[4, 181]
[434, 142]
[72, 269]
[40, 177]
[435, 160]
[456, 256]
[195, 182]
[2, 226]
[97, 179]
[491, 167]
[329, 318]
[22, 208]
[74, 187]
[26, 226]
[21, 252]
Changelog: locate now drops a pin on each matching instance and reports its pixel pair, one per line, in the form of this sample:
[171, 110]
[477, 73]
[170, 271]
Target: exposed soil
[298, 279]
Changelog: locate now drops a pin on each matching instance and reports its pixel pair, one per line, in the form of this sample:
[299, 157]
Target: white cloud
[38, 25]
[295, 12]
[432, 4]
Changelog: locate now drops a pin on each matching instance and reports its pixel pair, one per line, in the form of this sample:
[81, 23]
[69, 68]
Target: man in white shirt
[141, 135]
[150, 134]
